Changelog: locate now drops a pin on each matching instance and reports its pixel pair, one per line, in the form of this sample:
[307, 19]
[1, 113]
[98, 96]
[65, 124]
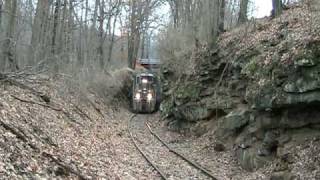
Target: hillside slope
[260, 89]
[66, 136]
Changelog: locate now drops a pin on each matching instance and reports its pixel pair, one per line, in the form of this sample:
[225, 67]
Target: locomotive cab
[144, 93]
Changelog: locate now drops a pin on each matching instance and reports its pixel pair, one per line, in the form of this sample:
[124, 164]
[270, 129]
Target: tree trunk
[112, 39]
[148, 45]
[55, 27]
[63, 27]
[222, 14]
[131, 34]
[86, 32]
[70, 43]
[38, 32]
[213, 7]
[131, 58]
[91, 54]
[243, 12]
[46, 30]
[8, 43]
[144, 35]
[176, 14]
[101, 34]
[188, 18]
[80, 49]
[1, 4]
[276, 8]
[174, 6]
[143, 42]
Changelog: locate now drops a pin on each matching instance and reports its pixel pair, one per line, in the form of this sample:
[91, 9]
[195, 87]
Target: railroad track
[156, 152]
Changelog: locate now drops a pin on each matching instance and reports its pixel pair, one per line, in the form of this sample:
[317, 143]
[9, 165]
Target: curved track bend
[169, 163]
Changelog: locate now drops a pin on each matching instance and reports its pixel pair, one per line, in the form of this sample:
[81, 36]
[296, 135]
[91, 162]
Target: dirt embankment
[64, 137]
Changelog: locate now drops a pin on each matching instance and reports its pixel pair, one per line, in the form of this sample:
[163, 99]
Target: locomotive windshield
[145, 79]
[144, 82]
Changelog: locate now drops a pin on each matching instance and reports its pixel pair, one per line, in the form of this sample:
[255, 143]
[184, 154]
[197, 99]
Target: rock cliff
[261, 85]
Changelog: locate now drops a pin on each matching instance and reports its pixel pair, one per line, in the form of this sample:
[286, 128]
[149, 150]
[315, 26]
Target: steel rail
[163, 176]
[154, 166]
[194, 164]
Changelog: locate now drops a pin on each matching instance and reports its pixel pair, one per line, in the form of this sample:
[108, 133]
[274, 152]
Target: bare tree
[276, 7]
[243, 11]
[56, 22]
[105, 14]
[38, 32]
[134, 33]
[63, 27]
[112, 29]
[139, 15]
[70, 26]
[8, 46]
[71, 33]
[101, 20]
[214, 19]
[222, 4]
[1, 4]
[174, 6]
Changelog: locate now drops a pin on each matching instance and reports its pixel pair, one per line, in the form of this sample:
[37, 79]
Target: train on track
[145, 93]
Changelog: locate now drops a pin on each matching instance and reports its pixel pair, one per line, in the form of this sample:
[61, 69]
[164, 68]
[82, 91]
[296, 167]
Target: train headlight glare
[137, 96]
[149, 96]
[144, 81]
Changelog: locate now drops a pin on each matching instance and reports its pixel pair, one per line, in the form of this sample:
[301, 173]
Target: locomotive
[145, 93]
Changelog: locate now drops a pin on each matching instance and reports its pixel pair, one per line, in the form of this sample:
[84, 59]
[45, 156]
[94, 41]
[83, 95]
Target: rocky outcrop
[260, 81]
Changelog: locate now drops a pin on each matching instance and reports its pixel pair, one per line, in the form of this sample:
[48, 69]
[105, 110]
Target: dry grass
[88, 81]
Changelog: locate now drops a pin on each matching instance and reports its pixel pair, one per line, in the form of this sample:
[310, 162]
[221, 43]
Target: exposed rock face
[249, 160]
[234, 122]
[260, 78]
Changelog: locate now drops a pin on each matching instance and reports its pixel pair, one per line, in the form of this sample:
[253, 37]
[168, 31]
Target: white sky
[261, 8]
[257, 9]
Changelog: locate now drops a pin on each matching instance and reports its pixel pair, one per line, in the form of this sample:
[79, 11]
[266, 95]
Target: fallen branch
[68, 115]
[19, 135]
[37, 103]
[96, 108]
[44, 97]
[12, 77]
[64, 166]
[81, 112]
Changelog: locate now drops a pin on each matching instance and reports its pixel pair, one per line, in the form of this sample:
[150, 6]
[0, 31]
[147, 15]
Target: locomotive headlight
[137, 96]
[144, 81]
[149, 96]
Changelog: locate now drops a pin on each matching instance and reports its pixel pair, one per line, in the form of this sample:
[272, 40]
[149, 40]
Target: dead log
[96, 108]
[67, 114]
[18, 134]
[59, 162]
[37, 103]
[43, 96]
[11, 79]
[65, 166]
[81, 112]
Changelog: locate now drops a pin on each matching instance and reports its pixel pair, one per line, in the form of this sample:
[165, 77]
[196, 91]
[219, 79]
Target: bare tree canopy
[102, 34]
